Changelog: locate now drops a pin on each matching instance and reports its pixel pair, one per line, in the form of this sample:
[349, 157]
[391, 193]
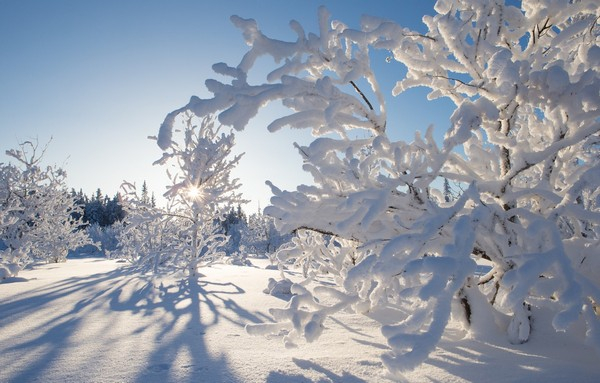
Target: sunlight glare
[194, 193]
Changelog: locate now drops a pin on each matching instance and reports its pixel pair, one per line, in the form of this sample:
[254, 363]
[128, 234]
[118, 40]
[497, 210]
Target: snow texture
[94, 320]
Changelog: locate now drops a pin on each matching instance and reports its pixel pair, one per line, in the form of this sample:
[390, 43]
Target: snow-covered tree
[105, 237]
[234, 225]
[41, 220]
[202, 189]
[262, 237]
[524, 140]
[145, 198]
[150, 235]
[11, 261]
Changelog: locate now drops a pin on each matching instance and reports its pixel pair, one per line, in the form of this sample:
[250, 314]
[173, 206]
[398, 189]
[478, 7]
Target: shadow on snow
[118, 326]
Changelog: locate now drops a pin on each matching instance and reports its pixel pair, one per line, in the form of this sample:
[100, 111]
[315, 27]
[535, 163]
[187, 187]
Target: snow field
[91, 320]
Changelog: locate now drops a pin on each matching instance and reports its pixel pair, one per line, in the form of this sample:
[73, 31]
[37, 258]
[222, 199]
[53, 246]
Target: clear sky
[99, 76]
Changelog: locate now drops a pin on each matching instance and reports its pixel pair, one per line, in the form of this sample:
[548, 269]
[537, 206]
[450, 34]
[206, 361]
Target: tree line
[40, 220]
[99, 209]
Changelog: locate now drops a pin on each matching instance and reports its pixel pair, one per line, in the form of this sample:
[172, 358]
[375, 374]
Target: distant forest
[104, 211]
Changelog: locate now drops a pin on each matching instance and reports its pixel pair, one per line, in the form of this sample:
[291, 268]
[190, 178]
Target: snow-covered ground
[91, 320]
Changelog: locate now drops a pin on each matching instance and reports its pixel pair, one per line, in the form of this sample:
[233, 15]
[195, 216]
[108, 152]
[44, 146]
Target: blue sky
[100, 76]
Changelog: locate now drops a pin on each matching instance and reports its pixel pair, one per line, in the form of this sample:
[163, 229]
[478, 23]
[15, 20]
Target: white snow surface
[92, 320]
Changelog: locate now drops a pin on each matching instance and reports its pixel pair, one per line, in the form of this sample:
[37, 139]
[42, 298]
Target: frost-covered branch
[186, 235]
[39, 220]
[522, 142]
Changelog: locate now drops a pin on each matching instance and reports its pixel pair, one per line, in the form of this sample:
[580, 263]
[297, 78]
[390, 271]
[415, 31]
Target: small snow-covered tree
[234, 225]
[105, 237]
[10, 261]
[202, 189]
[149, 238]
[41, 219]
[261, 236]
[145, 199]
[524, 140]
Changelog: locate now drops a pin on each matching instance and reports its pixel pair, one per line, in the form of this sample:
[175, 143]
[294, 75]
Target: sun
[194, 193]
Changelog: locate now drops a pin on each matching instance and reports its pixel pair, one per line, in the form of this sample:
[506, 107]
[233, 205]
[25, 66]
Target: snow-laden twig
[523, 137]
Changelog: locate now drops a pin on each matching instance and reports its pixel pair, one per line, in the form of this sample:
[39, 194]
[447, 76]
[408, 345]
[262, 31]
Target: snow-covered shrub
[234, 226]
[107, 237]
[40, 216]
[279, 287]
[261, 237]
[318, 254]
[149, 236]
[11, 262]
[201, 192]
[524, 140]
[237, 258]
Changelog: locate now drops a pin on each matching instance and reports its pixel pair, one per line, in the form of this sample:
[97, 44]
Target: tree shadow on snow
[328, 375]
[280, 377]
[345, 377]
[186, 311]
[470, 360]
[38, 342]
[14, 280]
[160, 330]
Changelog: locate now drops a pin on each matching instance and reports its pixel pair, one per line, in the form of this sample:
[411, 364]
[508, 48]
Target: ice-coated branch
[361, 94]
[201, 191]
[39, 220]
[522, 142]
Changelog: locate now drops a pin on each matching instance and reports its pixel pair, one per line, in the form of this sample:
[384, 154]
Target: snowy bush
[261, 237]
[279, 287]
[188, 231]
[234, 226]
[39, 214]
[11, 263]
[317, 254]
[524, 140]
[107, 237]
[149, 235]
